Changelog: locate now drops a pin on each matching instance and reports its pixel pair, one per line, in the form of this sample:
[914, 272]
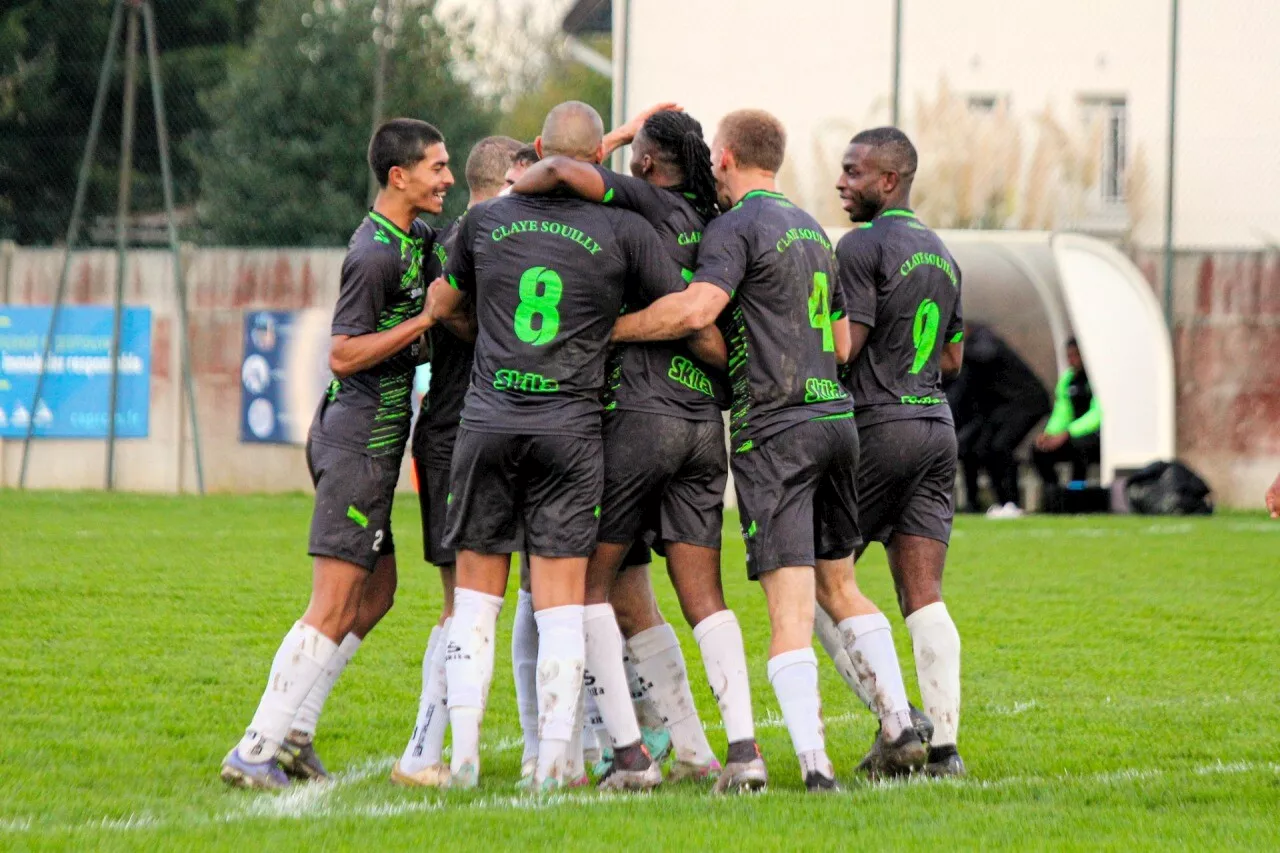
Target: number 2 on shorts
[544, 306]
[820, 310]
[924, 333]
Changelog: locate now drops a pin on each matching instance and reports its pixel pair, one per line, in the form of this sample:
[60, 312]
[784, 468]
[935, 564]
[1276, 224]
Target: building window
[983, 104]
[1110, 118]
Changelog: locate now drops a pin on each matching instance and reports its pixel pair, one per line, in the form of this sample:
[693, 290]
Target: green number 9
[924, 333]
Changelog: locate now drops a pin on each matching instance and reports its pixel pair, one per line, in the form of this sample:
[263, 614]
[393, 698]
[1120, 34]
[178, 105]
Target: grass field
[1119, 675]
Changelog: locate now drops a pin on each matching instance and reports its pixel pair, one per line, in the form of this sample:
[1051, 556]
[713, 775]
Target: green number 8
[544, 305]
[820, 310]
[924, 333]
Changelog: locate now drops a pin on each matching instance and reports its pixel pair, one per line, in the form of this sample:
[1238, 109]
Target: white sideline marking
[312, 801]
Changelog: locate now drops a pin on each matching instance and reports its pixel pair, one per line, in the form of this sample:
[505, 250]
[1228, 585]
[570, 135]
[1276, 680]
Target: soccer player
[901, 290]
[548, 276]
[434, 435]
[354, 451]
[793, 442]
[525, 157]
[1073, 433]
[665, 465]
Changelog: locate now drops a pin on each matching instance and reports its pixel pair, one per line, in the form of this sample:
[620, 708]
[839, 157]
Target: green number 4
[924, 334]
[544, 306]
[820, 310]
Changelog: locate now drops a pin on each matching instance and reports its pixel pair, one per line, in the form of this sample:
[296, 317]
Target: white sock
[426, 745]
[646, 712]
[936, 643]
[725, 660]
[869, 642]
[561, 663]
[606, 675]
[524, 667]
[655, 653]
[309, 714]
[833, 642]
[302, 656]
[469, 669]
[594, 735]
[574, 757]
[794, 676]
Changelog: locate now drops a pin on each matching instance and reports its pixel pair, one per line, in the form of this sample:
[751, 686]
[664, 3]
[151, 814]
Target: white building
[826, 68]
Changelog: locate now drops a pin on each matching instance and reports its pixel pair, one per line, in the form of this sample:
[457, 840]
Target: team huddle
[586, 332]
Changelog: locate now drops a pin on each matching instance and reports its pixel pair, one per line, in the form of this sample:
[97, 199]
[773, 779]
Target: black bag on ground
[1168, 488]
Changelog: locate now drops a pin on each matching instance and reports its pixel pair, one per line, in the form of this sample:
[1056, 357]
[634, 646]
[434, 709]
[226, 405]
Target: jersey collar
[389, 225]
[897, 211]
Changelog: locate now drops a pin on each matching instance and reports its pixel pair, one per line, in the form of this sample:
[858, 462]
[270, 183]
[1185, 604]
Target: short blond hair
[756, 138]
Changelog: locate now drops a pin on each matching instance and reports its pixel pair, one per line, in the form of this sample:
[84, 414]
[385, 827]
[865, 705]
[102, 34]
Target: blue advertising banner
[285, 372]
[74, 399]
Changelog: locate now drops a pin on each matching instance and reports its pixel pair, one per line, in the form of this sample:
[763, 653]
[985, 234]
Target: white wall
[824, 67]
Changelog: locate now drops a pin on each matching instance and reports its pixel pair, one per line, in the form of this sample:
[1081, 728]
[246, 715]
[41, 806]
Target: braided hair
[679, 137]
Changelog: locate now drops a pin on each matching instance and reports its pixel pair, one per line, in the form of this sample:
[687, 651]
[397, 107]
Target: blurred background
[1102, 169]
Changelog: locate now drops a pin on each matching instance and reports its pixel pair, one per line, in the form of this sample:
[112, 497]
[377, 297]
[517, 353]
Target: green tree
[50, 56]
[562, 80]
[286, 164]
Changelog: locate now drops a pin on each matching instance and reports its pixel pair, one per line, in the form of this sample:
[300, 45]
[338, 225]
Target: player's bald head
[572, 129]
[891, 149]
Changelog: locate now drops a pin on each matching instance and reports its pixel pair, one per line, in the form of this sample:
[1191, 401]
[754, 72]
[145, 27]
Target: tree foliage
[286, 163]
[50, 56]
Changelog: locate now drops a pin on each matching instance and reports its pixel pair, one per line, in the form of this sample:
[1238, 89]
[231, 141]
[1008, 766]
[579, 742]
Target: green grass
[1119, 676]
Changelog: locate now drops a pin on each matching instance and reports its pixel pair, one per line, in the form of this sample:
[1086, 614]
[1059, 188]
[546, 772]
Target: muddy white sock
[309, 714]
[833, 642]
[606, 676]
[524, 668]
[426, 744]
[647, 714]
[794, 676]
[656, 655]
[561, 662]
[725, 660]
[869, 643]
[300, 660]
[936, 644]
[469, 670]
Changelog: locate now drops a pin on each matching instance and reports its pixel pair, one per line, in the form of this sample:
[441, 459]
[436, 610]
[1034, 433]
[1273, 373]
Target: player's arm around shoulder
[683, 310]
[368, 275]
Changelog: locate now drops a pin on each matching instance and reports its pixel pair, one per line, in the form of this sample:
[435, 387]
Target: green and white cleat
[527, 772]
[658, 742]
[688, 771]
[467, 777]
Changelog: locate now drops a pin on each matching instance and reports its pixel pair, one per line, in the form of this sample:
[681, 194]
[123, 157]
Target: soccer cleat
[902, 757]
[923, 725]
[683, 771]
[1009, 510]
[297, 758]
[658, 742]
[604, 764]
[467, 777]
[945, 761]
[742, 777]
[527, 772]
[265, 775]
[816, 783]
[432, 776]
[632, 770]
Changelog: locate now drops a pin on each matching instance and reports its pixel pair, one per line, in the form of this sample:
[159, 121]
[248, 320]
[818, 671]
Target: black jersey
[451, 359]
[899, 279]
[383, 284]
[549, 277]
[663, 378]
[778, 266]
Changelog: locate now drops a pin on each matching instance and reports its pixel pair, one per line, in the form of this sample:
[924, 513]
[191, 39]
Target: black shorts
[797, 497]
[539, 493]
[433, 494]
[907, 479]
[354, 493]
[664, 479]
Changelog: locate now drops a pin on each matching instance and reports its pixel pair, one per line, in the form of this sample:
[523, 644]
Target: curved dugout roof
[1037, 289]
